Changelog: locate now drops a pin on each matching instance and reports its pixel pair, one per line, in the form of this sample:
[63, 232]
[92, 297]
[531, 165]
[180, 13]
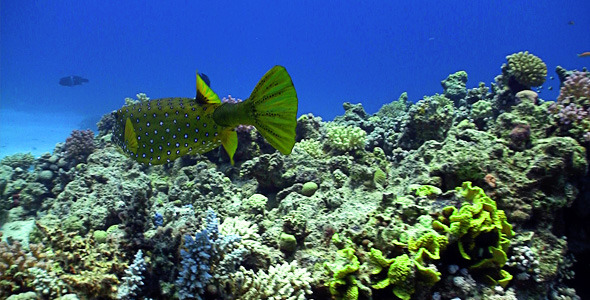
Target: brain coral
[527, 69]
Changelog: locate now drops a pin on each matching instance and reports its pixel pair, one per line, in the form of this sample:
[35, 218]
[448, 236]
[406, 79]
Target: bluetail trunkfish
[161, 130]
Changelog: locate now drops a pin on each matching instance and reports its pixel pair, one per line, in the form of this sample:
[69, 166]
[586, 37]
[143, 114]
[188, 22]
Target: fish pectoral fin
[130, 136]
[229, 140]
[205, 95]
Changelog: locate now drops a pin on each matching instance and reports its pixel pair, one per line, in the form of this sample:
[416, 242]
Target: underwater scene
[294, 150]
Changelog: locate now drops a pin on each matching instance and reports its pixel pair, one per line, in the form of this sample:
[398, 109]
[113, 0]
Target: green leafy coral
[407, 273]
[400, 273]
[425, 190]
[343, 284]
[481, 232]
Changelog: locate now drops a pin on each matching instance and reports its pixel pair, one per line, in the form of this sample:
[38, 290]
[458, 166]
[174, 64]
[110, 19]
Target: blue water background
[335, 51]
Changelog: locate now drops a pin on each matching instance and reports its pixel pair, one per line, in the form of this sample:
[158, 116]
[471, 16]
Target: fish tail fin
[272, 109]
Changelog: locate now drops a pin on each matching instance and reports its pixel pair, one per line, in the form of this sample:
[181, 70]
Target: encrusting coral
[15, 265]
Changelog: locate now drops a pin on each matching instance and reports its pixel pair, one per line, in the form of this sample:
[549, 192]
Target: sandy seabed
[34, 131]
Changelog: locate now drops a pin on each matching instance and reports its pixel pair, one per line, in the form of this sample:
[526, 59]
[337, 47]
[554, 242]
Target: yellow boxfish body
[166, 129]
[159, 131]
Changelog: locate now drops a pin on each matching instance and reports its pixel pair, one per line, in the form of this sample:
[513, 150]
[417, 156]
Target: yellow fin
[274, 111]
[205, 95]
[130, 137]
[229, 140]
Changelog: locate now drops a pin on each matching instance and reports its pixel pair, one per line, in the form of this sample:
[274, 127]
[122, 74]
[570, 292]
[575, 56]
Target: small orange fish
[584, 54]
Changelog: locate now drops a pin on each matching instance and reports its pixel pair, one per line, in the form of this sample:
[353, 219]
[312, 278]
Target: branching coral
[79, 145]
[527, 69]
[572, 109]
[15, 263]
[207, 256]
[346, 138]
[286, 281]
[313, 148]
[133, 279]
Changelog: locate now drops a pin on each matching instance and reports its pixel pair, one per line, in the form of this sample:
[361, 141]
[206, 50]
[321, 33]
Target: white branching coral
[245, 229]
[346, 138]
[285, 282]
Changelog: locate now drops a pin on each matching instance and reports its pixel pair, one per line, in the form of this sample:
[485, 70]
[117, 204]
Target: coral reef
[455, 86]
[18, 267]
[429, 119]
[345, 138]
[472, 193]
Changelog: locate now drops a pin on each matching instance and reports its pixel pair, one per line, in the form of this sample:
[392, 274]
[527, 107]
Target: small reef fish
[161, 130]
[584, 54]
[72, 80]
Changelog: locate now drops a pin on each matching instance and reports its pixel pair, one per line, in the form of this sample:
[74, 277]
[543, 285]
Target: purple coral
[571, 113]
[240, 128]
[575, 89]
[79, 145]
[573, 104]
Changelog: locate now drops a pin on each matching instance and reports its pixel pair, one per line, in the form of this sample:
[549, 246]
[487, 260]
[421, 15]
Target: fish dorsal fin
[205, 95]
[130, 136]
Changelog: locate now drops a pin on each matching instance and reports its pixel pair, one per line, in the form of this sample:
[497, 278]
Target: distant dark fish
[72, 80]
[570, 23]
